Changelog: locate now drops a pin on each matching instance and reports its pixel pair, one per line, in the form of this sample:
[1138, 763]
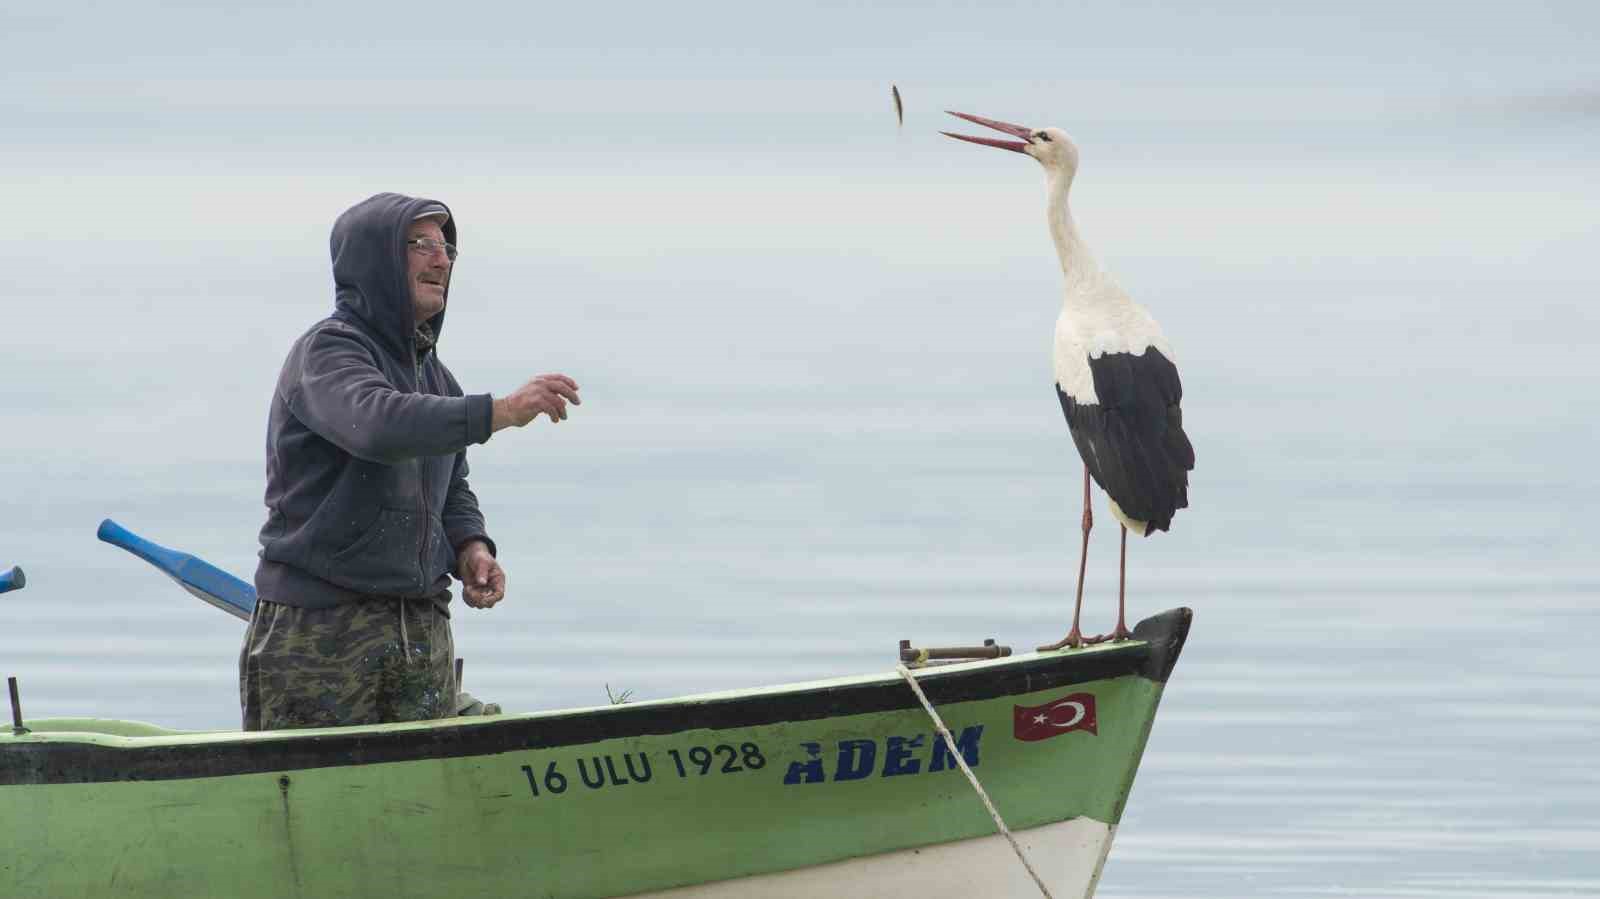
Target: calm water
[818, 419]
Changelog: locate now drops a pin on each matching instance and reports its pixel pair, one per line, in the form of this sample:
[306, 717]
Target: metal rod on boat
[16, 708]
[989, 650]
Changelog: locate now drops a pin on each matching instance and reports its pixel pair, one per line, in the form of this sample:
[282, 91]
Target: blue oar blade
[217, 587]
[199, 577]
[12, 580]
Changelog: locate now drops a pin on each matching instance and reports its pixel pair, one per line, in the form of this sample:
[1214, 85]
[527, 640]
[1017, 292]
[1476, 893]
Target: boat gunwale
[64, 757]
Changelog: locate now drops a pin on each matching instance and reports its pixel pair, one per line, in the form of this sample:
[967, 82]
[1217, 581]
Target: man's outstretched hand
[483, 581]
[547, 394]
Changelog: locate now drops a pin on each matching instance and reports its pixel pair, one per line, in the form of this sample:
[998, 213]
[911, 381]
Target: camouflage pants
[367, 662]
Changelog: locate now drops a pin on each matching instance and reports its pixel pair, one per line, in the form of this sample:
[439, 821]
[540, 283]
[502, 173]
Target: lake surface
[818, 418]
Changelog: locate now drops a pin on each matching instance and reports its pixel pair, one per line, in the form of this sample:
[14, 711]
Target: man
[368, 508]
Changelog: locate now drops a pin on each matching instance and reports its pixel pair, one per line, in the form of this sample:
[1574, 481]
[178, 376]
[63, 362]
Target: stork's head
[1051, 146]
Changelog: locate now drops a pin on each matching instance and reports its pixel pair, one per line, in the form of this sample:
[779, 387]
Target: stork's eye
[1042, 136]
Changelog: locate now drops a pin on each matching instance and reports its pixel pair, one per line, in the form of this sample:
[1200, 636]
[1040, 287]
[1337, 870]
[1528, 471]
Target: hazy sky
[612, 79]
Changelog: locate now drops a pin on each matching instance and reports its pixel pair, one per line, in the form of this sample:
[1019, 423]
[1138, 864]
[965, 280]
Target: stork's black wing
[1132, 440]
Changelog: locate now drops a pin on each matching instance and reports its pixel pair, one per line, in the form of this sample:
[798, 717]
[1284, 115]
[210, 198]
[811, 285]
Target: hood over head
[368, 246]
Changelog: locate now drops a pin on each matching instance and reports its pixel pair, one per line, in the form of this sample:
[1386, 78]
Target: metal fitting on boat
[913, 657]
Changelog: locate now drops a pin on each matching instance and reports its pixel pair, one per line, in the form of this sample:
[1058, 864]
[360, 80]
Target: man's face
[426, 272]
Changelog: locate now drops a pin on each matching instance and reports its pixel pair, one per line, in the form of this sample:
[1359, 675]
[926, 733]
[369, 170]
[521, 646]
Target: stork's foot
[1077, 640]
[1118, 634]
[1072, 640]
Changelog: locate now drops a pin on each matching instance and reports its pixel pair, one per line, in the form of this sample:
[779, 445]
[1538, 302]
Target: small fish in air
[899, 109]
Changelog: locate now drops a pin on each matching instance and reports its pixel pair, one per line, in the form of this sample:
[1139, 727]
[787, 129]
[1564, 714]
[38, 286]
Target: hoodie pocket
[382, 560]
[444, 557]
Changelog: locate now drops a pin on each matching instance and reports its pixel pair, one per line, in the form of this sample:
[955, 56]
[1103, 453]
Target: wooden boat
[830, 788]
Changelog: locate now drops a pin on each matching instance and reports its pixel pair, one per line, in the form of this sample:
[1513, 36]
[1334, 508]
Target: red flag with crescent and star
[1075, 711]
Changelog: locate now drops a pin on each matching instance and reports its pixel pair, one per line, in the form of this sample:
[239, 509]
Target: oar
[12, 580]
[198, 576]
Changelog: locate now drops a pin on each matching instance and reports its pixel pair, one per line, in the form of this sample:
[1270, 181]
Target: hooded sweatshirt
[366, 439]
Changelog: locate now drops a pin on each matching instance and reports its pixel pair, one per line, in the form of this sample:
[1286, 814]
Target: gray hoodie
[366, 439]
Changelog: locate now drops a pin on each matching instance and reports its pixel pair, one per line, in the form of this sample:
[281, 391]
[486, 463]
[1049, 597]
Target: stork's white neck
[1097, 315]
[1077, 262]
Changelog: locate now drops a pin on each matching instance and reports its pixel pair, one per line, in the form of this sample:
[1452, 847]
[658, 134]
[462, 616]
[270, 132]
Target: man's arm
[345, 398]
[463, 522]
[483, 581]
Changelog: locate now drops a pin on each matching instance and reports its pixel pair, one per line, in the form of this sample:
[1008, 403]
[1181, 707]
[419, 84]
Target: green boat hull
[773, 785]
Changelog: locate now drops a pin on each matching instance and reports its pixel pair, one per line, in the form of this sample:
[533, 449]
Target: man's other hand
[483, 581]
[547, 394]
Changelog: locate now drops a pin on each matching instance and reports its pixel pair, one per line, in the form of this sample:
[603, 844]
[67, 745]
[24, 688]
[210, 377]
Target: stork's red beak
[1007, 127]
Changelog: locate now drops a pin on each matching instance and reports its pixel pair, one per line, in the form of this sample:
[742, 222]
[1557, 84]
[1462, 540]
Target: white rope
[972, 778]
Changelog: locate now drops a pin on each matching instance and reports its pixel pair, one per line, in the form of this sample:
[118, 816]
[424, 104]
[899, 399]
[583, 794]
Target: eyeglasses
[427, 246]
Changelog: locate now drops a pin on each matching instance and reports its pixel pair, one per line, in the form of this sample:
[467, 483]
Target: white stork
[1115, 377]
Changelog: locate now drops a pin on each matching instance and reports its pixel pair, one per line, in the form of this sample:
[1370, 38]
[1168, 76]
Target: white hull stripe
[1069, 855]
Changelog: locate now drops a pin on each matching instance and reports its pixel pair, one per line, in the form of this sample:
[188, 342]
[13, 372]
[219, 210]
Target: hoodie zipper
[422, 494]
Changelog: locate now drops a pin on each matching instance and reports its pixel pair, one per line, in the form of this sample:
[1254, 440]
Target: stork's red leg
[1074, 638]
[1122, 632]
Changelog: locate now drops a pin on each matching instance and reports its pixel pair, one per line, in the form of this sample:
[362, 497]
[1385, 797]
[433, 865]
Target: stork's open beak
[1007, 127]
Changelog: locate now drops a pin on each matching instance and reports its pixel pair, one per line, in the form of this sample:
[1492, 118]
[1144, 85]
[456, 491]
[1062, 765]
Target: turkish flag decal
[1075, 711]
